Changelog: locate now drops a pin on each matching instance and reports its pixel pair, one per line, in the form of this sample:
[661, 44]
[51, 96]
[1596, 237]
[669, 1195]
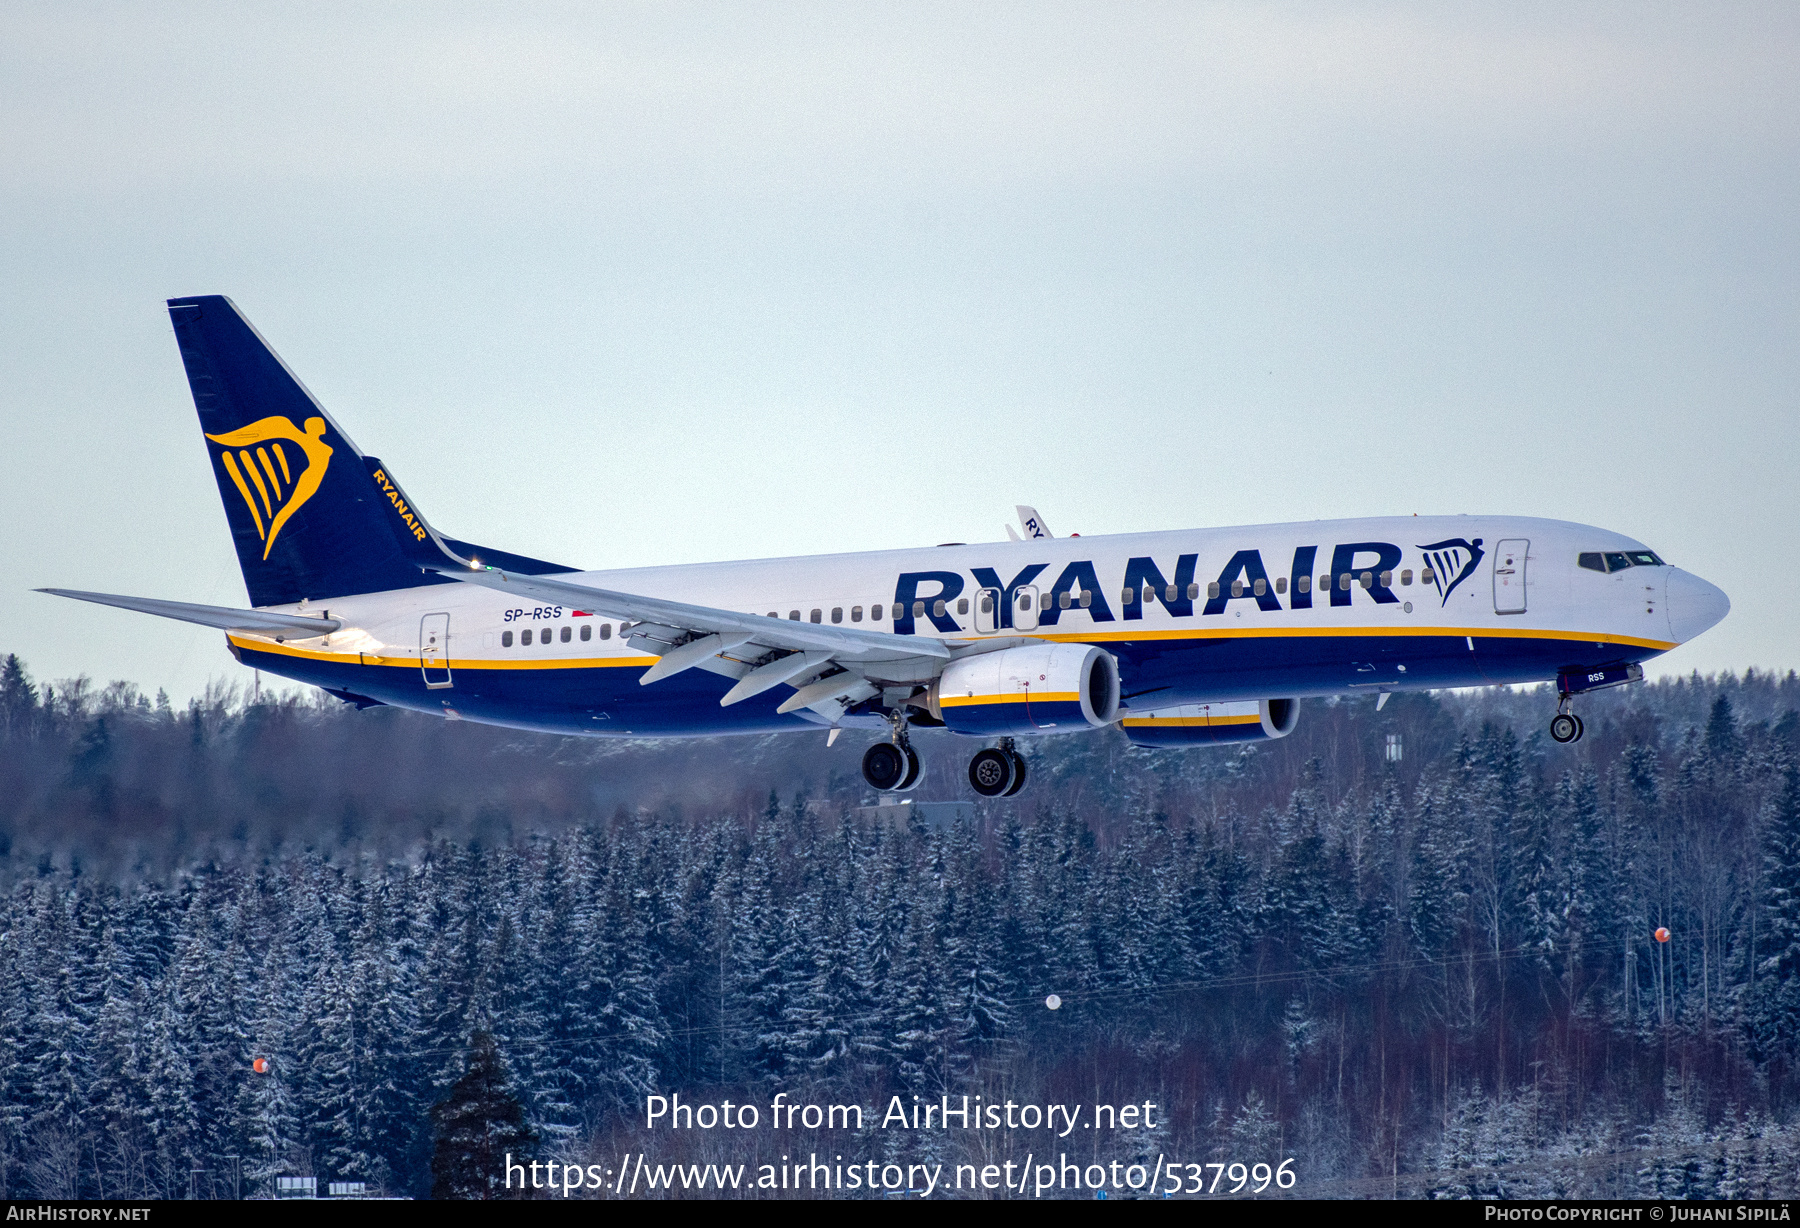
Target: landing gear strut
[998, 771]
[1565, 726]
[893, 766]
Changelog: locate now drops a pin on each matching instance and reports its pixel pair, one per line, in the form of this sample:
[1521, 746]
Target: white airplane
[1186, 637]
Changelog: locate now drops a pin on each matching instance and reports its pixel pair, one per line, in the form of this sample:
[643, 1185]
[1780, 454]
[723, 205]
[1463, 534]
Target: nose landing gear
[1565, 726]
[998, 771]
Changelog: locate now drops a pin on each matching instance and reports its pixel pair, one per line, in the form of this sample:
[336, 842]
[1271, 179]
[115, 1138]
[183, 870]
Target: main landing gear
[1565, 726]
[893, 767]
[997, 771]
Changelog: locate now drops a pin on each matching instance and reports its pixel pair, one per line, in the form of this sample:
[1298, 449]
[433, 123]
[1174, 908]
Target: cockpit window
[1618, 560]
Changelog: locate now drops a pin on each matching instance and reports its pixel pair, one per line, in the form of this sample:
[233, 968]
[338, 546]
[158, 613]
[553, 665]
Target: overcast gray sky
[629, 284]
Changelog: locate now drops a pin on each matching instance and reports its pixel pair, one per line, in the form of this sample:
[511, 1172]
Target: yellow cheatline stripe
[1091, 637]
[353, 658]
[1193, 720]
[1042, 697]
[1247, 633]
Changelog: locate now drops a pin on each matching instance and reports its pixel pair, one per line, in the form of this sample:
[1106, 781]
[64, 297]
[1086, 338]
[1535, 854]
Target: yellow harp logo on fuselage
[274, 484]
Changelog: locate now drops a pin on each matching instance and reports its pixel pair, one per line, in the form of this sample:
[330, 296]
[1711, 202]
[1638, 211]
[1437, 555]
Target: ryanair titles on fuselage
[1367, 566]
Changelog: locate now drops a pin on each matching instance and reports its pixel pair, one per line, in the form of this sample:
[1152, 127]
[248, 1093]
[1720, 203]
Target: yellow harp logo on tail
[275, 484]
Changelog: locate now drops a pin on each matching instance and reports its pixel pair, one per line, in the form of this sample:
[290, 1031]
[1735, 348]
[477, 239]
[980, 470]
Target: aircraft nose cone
[1693, 605]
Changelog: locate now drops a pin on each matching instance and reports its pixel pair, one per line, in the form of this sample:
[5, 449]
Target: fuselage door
[434, 650]
[1509, 575]
[987, 611]
[1025, 608]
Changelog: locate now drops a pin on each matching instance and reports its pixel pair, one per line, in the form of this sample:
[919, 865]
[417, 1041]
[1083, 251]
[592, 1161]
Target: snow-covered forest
[1427, 976]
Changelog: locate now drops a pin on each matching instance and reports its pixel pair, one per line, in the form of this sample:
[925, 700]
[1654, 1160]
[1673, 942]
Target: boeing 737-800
[1183, 638]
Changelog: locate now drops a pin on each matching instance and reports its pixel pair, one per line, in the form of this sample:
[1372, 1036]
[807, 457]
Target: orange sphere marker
[1662, 934]
[260, 1065]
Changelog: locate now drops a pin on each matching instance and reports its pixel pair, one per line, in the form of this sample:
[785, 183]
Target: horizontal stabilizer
[222, 617]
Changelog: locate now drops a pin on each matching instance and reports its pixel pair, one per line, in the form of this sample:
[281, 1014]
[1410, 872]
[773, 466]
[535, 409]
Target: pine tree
[1774, 1011]
[480, 1129]
[18, 699]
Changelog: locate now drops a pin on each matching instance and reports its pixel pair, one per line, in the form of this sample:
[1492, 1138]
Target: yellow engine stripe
[1165, 721]
[1042, 697]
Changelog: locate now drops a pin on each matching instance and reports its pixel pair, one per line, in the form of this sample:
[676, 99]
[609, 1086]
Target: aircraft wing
[222, 617]
[844, 643]
[841, 659]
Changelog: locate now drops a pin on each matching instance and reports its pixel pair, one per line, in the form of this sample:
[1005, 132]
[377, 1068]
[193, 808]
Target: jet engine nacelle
[1213, 724]
[1041, 688]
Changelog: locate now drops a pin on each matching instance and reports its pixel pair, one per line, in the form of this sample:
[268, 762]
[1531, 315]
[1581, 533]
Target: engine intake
[1213, 724]
[1040, 688]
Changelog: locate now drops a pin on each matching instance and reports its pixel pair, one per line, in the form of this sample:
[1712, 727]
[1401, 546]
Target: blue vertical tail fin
[310, 515]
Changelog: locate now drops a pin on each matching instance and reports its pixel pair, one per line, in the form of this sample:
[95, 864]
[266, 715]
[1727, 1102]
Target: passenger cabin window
[1212, 589]
[587, 632]
[816, 616]
[1406, 576]
[962, 605]
[1324, 584]
[918, 609]
[1237, 588]
[837, 613]
[1387, 579]
[1344, 582]
[1281, 584]
[1193, 592]
[877, 613]
[1260, 588]
[606, 631]
[1428, 576]
[1366, 579]
[506, 639]
[793, 616]
[1024, 601]
[525, 637]
[1303, 584]
[937, 608]
[1063, 601]
[566, 633]
[855, 613]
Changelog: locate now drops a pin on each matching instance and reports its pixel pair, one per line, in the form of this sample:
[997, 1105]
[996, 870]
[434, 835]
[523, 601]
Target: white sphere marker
[1053, 1002]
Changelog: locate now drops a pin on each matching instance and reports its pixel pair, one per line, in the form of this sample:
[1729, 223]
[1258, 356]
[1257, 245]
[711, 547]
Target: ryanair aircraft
[1183, 638]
